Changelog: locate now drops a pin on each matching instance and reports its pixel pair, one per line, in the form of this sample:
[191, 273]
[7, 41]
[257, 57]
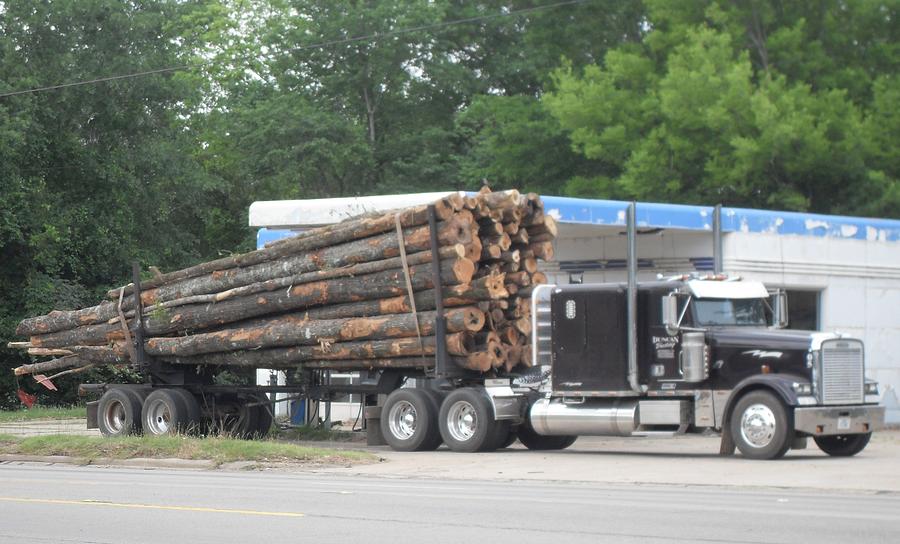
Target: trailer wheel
[264, 418]
[539, 442]
[761, 426]
[233, 417]
[409, 421]
[843, 445]
[192, 418]
[165, 412]
[467, 422]
[119, 412]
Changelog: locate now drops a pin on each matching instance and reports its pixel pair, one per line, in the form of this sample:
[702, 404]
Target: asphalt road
[66, 504]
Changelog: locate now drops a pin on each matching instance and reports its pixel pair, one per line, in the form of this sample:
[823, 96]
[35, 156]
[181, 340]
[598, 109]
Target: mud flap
[727, 446]
[92, 412]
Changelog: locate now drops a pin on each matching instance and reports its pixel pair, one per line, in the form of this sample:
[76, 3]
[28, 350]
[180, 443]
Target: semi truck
[681, 354]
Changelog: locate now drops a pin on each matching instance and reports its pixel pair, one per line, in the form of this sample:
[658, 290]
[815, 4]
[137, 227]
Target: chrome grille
[842, 372]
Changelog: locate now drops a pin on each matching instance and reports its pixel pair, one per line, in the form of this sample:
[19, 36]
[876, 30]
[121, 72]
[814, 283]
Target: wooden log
[489, 227]
[482, 289]
[502, 240]
[68, 361]
[473, 249]
[455, 251]
[547, 226]
[527, 356]
[491, 252]
[529, 264]
[519, 237]
[500, 199]
[460, 344]
[513, 357]
[542, 250]
[475, 361]
[351, 229]
[288, 331]
[44, 352]
[513, 256]
[523, 325]
[511, 227]
[58, 320]
[334, 291]
[522, 279]
[376, 248]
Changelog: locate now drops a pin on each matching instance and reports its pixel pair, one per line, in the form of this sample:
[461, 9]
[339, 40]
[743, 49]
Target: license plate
[843, 423]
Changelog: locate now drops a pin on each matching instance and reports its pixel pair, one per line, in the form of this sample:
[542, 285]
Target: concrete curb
[137, 462]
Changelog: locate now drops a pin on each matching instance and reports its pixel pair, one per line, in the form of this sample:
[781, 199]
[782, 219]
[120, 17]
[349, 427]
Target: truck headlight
[871, 388]
[802, 388]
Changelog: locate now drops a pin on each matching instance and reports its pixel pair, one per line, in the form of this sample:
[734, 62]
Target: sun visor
[727, 289]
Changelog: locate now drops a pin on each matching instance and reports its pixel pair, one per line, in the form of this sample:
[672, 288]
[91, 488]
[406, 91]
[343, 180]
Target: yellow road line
[89, 502]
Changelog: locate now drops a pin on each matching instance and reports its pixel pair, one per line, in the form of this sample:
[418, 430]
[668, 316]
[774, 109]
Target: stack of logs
[335, 297]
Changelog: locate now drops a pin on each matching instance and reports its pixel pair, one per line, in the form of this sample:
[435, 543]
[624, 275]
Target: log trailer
[685, 354]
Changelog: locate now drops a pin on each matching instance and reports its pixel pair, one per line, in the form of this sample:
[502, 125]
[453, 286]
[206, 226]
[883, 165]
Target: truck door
[659, 361]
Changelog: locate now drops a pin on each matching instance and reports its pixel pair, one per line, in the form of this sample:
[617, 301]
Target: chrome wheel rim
[758, 425]
[462, 421]
[114, 417]
[403, 420]
[159, 417]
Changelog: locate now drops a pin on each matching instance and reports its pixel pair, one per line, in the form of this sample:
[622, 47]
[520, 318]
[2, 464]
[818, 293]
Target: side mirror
[670, 313]
[779, 309]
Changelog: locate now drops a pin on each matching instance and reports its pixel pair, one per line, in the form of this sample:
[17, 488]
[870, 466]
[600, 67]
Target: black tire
[119, 412]
[264, 419]
[511, 438]
[843, 445]
[539, 442]
[767, 426]
[467, 422]
[164, 412]
[193, 419]
[234, 417]
[409, 421]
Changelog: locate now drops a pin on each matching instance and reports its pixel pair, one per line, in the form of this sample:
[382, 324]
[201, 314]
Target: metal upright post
[717, 239]
[141, 355]
[440, 323]
[632, 298]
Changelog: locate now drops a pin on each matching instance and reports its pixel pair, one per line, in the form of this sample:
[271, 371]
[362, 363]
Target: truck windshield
[750, 311]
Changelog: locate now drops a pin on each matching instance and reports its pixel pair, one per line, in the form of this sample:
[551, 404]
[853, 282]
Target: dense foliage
[788, 105]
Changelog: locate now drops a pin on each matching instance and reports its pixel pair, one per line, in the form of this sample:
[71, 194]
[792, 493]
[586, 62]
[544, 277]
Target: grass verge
[318, 434]
[218, 450]
[40, 412]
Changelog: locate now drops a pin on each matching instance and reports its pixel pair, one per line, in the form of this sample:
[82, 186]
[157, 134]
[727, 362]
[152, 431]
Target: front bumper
[831, 420]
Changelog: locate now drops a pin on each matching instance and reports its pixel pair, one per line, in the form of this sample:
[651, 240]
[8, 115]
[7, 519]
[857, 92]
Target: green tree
[702, 112]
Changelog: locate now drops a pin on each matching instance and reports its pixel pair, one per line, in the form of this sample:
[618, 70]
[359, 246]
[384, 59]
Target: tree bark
[334, 291]
[295, 331]
[295, 356]
[351, 229]
[376, 248]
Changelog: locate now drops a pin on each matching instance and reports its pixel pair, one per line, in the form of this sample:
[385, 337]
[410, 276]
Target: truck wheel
[192, 418]
[164, 412]
[540, 442]
[760, 426]
[119, 412]
[467, 422]
[409, 421]
[843, 445]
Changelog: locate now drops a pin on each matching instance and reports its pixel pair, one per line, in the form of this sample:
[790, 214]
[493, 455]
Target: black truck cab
[712, 353]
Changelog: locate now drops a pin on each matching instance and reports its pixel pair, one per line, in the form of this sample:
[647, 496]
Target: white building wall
[859, 282]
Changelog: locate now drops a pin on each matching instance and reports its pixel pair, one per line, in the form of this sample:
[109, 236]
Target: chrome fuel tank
[616, 417]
